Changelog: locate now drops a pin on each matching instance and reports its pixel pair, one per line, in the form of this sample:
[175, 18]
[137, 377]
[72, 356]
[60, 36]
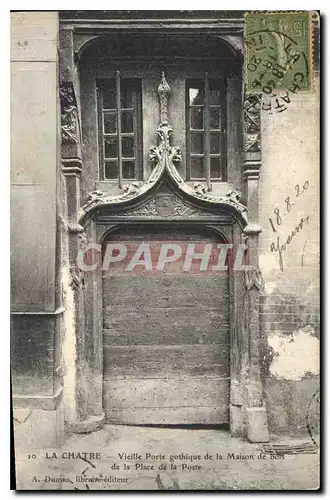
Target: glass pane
[127, 121]
[214, 97]
[196, 143]
[127, 146]
[109, 98]
[197, 168]
[196, 95]
[110, 123]
[128, 170]
[215, 143]
[216, 170]
[111, 147]
[111, 170]
[215, 117]
[126, 94]
[196, 118]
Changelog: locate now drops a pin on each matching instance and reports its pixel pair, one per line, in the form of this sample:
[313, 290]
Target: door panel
[166, 343]
[164, 361]
[189, 400]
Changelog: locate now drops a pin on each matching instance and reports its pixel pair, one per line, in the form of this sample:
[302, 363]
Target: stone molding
[40, 402]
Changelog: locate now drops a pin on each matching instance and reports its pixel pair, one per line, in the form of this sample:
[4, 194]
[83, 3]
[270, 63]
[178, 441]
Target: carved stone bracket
[76, 274]
[252, 104]
[69, 113]
[253, 279]
[252, 152]
[82, 238]
[252, 229]
[77, 277]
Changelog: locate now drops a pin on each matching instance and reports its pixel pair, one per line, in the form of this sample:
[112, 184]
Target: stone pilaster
[256, 416]
[85, 420]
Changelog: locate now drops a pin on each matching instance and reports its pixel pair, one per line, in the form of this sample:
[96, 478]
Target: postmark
[278, 54]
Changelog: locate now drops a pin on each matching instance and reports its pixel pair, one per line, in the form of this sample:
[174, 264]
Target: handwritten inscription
[280, 247]
[300, 189]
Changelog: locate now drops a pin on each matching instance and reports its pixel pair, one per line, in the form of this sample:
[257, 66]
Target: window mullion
[101, 132]
[223, 112]
[207, 159]
[118, 103]
[188, 136]
[136, 137]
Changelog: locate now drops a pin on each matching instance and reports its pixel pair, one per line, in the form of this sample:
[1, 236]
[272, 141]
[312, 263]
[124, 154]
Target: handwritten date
[278, 219]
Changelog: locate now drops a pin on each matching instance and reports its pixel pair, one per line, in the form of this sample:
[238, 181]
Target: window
[206, 129]
[120, 125]
[119, 82]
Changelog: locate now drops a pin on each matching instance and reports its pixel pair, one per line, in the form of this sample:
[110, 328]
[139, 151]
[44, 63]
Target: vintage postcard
[165, 315]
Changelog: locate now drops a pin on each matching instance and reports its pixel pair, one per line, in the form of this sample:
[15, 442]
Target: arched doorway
[166, 328]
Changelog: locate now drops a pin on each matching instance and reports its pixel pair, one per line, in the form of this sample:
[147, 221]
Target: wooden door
[166, 341]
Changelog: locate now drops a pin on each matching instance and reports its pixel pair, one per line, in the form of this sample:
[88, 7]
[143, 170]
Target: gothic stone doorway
[165, 335]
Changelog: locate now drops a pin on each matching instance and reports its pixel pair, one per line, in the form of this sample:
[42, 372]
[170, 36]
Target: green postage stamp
[278, 51]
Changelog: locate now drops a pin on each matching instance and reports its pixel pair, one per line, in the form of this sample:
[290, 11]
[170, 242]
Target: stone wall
[289, 259]
[36, 292]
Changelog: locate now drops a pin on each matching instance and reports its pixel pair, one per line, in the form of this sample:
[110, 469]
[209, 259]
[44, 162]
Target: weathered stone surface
[236, 419]
[35, 429]
[257, 429]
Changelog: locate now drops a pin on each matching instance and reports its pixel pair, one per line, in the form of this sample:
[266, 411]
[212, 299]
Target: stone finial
[163, 92]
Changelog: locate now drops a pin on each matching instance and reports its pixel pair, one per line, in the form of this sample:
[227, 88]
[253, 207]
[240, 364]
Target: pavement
[145, 458]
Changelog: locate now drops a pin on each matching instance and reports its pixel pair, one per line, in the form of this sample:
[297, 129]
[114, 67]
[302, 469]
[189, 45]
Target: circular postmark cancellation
[278, 54]
[313, 418]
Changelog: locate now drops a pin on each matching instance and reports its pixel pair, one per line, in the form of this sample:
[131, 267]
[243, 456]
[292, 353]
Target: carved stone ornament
[252, 229]
[147, 210]
[253, 279]
[82, 239]
[69, 114]
[252, 106]
[77, 277]
[201, 191]
[76, 274]
[176, 209]
[164, 157]
[164, 131]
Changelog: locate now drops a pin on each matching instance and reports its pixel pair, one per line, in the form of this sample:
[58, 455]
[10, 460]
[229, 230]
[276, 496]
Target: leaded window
[120, 129]
[206, 129]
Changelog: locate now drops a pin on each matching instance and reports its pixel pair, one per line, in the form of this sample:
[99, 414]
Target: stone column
[256, 416]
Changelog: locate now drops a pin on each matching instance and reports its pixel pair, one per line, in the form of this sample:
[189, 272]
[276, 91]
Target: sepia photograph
[165, 248]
